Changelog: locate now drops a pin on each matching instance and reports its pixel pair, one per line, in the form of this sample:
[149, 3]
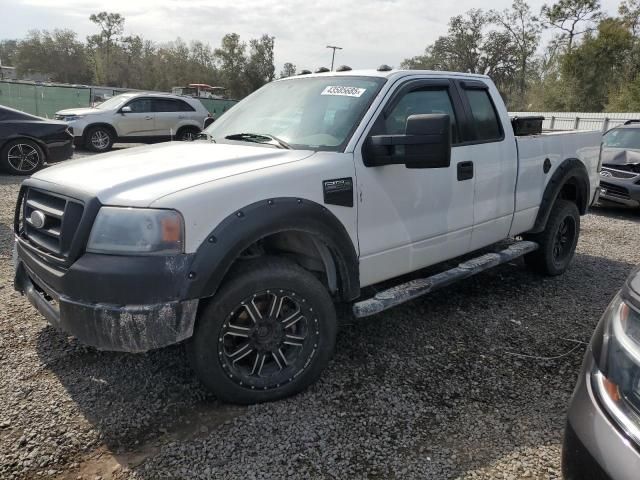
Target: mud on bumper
[126, 328]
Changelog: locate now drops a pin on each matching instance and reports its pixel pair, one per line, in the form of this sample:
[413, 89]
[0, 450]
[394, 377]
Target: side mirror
[126, 109]
[426, 143]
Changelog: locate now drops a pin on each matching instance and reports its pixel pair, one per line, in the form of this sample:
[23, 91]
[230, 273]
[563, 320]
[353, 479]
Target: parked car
[620, 174]
[27, 141]
[136, 117]
[602, 436]
[306, 192]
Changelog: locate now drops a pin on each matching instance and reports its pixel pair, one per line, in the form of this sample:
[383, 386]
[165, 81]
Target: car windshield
[317, 113]
[623, 138]
[113, 102]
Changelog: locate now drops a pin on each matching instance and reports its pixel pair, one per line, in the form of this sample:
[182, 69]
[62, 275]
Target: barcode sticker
[344, 91]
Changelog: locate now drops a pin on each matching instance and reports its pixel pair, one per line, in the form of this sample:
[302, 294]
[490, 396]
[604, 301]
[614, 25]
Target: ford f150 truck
[306, 192]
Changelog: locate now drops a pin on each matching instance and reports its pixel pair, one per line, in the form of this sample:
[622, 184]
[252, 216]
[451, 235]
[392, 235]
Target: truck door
[495, 163]
[411, 218]
[139, 122]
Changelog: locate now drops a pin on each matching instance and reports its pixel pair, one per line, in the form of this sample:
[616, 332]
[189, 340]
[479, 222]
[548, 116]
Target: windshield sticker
[344, 91]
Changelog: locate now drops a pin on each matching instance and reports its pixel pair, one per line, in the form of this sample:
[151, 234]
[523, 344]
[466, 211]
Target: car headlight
[616, 348]
[137, 231]
[71, 118]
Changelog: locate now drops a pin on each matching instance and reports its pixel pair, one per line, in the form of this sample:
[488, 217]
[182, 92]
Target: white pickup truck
[306, 192]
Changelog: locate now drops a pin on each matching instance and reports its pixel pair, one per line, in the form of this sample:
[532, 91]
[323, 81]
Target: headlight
[71, 118]
[137, 231]
[617, 354]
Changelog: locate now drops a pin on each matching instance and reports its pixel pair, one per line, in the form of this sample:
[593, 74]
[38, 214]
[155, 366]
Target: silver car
[138, 118]
[602, 436]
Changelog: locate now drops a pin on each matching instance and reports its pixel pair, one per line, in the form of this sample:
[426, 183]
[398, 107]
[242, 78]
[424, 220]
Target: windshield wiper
[259, 138]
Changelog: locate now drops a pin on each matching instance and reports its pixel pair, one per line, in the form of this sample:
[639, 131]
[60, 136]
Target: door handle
[148, 117]
[465, 171]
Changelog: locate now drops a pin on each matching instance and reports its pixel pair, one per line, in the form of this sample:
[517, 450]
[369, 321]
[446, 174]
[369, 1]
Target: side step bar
[416, 288]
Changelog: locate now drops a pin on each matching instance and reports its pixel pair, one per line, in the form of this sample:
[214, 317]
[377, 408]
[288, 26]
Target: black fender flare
[246, 226]
[572, 170]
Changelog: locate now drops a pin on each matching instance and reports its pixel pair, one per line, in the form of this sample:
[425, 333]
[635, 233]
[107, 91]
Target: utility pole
[333, 55]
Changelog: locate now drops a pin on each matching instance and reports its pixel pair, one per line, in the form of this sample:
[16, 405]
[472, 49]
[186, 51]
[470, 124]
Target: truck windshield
[316, 113]
[623, 138]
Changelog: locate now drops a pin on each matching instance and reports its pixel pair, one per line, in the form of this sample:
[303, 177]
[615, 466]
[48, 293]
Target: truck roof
[389, 74]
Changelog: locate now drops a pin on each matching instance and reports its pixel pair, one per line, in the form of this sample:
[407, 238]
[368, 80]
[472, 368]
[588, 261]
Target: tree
[629, 10]
[288, 70]
[103, 44]
[58, 54]
[8, 52]
[597, 67]
[523, 29]
[260, 68]
[468, 47]
[232, 59]
[572, 17]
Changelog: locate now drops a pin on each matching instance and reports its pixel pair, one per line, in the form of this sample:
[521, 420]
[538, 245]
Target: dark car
[27, 141]
[620, 174]
[602, 436]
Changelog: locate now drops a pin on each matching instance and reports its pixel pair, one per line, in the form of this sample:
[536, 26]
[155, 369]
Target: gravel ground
[454, 385]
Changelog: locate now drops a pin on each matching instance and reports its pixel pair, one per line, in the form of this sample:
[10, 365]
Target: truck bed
[533, 150]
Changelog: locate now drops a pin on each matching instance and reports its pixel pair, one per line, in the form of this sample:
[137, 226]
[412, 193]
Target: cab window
[416, 102]
[485, 118]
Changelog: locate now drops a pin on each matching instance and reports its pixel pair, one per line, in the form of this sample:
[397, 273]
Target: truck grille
[615, 190]
[61, 217]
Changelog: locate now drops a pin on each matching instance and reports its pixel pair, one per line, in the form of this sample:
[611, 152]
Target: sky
[371, 32]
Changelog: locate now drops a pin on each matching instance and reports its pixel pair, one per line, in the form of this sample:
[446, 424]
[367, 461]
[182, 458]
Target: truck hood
[137, 176]
[80, 111]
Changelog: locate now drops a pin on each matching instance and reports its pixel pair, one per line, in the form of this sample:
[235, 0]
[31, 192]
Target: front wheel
[99, 139]
[557, 242]
[268, 333]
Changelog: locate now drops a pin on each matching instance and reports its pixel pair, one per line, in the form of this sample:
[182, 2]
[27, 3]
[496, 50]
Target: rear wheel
[99, 139]
[188, 134]
[22, 157]
[557, 242]
[268, 333]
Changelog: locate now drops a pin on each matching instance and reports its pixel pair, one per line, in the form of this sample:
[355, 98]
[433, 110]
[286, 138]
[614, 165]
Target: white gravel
[438, 388]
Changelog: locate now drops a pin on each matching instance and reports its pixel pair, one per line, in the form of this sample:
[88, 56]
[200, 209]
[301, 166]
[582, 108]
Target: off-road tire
[558, 240]
[228, 317]
[99, 139]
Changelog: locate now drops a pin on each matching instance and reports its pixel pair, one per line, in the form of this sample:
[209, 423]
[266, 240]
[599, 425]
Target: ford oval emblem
[605, 173]
[37, 219]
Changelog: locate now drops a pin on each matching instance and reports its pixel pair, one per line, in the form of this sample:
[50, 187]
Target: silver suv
[136, 117]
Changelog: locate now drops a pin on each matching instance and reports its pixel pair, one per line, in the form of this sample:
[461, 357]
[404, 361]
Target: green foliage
[112, 58]
[288, 70]
[592, 63]
[572, 18]
[59, 54]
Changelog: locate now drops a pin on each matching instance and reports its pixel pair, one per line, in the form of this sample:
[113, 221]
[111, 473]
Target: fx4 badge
[338, 191]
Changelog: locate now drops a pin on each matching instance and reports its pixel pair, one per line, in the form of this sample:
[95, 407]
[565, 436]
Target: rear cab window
[486, 125]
